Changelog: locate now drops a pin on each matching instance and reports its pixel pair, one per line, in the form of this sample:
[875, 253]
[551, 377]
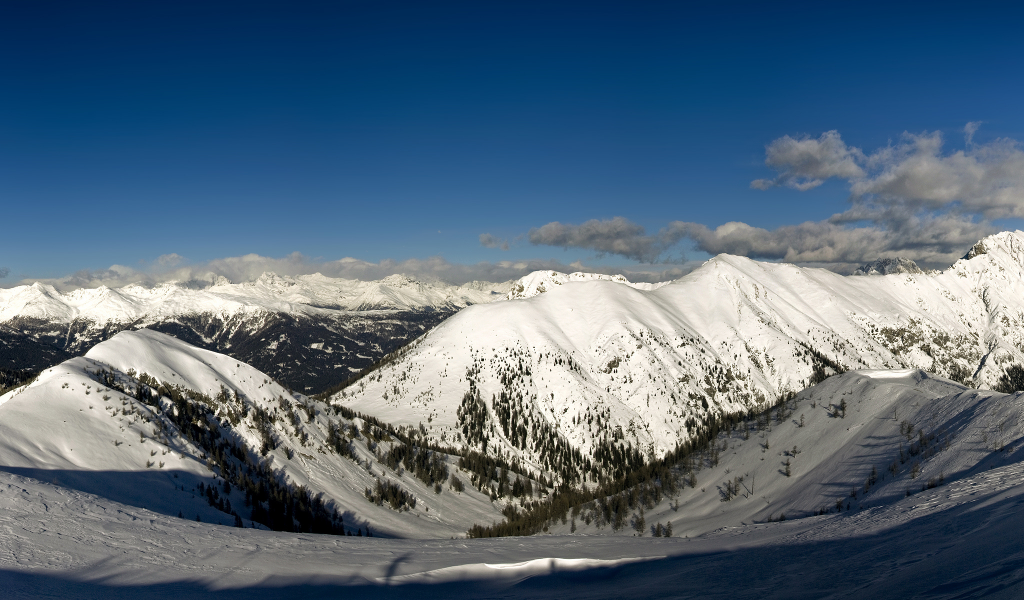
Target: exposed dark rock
[889, 266]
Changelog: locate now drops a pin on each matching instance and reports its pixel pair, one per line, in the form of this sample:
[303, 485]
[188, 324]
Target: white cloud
[985, 180]
[969, 130]
[489, 241]
[932, 241]
[618, 236]
[169, 260]
[908, 199]
[806, 163]
[981, 181]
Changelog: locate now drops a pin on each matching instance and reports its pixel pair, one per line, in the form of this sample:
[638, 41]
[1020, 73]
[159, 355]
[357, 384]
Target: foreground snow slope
[597, 361]
[80, 424]
[899, 484]
[954, 541]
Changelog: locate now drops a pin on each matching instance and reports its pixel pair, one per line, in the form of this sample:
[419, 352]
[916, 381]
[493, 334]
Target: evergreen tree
[639, 523]
[1012, 380]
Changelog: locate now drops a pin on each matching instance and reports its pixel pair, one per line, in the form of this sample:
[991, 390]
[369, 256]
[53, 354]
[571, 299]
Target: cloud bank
[238, 269]
[907, 199]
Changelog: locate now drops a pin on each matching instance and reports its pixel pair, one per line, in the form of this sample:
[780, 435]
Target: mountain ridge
[594, 363]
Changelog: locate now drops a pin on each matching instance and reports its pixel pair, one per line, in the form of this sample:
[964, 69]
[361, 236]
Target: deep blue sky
[404, 130]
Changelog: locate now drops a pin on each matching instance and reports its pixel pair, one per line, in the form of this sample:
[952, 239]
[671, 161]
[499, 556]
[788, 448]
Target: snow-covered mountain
[591, 365]
[148, 420]
[309, 331]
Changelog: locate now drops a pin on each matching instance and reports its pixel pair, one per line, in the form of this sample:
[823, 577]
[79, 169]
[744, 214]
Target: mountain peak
[889, 266]
[976, 250]
[538, 282]
[1005, 247]
[398, 279]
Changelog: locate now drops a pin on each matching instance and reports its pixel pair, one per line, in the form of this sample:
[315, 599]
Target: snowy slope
[596, 361]
[903, 432]
[75, 427]
[310, 332]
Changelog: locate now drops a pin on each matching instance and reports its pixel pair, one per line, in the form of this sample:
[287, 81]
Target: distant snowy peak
[488, 286]
[306, 294]
[889, 266]
[538, 282]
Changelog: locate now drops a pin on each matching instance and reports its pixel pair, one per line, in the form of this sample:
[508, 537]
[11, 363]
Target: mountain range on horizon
[310, 332]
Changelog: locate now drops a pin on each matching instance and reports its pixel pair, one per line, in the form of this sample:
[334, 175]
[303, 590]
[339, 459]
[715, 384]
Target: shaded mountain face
[889, 266]
[597, 373]
[308, 332]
